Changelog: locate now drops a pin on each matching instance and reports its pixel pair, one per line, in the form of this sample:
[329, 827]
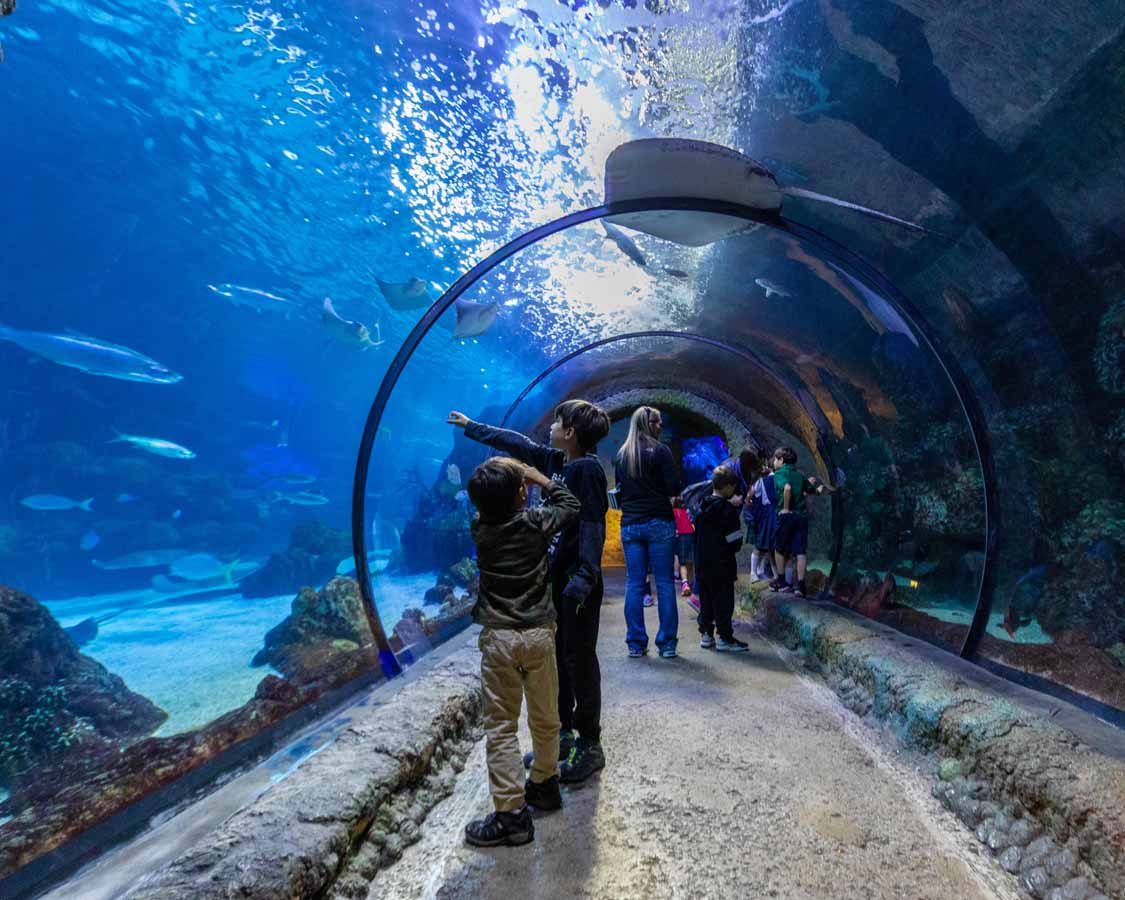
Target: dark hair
[723, 477]
[747, 461]
[590, 422]
[788, 455]
[494, 487]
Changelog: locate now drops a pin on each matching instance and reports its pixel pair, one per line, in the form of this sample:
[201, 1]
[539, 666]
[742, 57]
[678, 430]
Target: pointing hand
[457, 418]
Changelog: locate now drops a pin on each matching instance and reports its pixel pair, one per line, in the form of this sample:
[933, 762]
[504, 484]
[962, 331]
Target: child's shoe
[693, 602]
[668, 652]
[799, 590]
[502, 828]
[731, 645]
[543, 795]
[707, 642]
[647, 601]
[637, 652]
[778, 584]
[586, 759]
[685, 589]
[566, 744]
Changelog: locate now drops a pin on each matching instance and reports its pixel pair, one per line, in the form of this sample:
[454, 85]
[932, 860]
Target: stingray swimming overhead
[405, 295]
[624, 243]
[474, 318]
[354, 333]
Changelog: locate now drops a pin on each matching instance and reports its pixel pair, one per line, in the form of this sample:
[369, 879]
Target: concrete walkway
[727, 776]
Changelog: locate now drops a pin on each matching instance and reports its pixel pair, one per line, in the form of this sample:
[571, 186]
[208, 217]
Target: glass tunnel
[256, 251]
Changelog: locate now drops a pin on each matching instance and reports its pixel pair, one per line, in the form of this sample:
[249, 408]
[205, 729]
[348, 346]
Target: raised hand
[457, 418]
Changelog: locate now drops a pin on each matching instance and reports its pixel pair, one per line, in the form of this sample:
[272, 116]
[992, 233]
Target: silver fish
[474, 318]
[252, 298]
[453, 474]
[49, 502]
[771, 288]
[202, 567]
[624, 243]
[350, 332]
[142, 559]
[91, 355]
[158, 446]
[406, 295]
[300, 498]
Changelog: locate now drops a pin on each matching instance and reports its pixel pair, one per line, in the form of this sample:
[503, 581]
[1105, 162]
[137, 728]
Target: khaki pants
[515, 664]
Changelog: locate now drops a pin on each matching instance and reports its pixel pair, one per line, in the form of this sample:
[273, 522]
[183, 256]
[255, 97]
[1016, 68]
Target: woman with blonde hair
[647, 482]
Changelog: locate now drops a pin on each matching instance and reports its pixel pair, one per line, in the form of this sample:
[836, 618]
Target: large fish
[142, 559]
[252, 298]
[90, 355]
[48, 502]
[354, 333]
[474, 318]
[771, 288]
[300, 498]
[158, 446]
[203, 567]
[624, 243]
[405, 295]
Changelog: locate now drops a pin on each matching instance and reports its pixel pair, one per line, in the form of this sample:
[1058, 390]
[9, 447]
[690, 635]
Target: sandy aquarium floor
[728, 776]
[192, 659]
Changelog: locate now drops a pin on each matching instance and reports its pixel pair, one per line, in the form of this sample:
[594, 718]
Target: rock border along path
[1047, 798]
[347, 810]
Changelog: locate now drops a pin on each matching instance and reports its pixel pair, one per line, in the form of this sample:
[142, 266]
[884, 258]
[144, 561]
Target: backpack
[693, 496]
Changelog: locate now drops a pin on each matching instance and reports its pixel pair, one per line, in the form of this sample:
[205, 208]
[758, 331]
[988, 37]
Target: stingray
[624, 243]
[405, 295]
[474, 318]
[354, 333]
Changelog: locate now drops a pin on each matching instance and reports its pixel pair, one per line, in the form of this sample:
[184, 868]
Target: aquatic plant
[35, 726]
[1109, 353]
[1104, 519]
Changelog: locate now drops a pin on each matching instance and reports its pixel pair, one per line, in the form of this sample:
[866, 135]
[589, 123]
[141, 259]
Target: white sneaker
[706, 642]
[734, 645]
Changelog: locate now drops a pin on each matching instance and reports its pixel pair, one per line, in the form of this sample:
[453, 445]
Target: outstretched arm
[511, 442]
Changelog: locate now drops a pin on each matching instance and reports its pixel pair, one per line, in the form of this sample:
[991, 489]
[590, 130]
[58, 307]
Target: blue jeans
[650, 544]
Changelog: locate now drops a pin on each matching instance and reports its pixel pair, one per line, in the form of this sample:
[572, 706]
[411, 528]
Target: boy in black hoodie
[718, 537]
[576, 569]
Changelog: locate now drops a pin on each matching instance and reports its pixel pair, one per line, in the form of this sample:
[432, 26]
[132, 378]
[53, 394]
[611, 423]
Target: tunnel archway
[845, 262]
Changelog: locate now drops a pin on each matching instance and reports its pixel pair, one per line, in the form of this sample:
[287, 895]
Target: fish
[474, 318]
[89, 541]
[624, 243]
[91, 355]
[177, 513]
[300, 498]
[158, 446]
[47, 502]
[771, 288]
[252, 298]
[676, 273]
[202, 567]
[141, 559]
[453, 473]
[406, 295]
[377, 561]
[346, 330]
[84, 632]
[295, 478]
[879, 307]
[126, 498]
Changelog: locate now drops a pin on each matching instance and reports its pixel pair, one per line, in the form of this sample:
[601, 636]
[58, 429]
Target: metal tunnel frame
[744, 353]
[958, 380]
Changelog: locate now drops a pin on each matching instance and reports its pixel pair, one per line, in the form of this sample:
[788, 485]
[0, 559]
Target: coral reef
[312, 556]
[325, 632]
[55, 702]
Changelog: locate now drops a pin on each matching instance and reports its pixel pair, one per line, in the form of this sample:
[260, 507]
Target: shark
[91, 355]
[624, 243]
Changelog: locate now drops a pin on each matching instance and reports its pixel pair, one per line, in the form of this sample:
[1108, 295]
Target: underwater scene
[224, 220]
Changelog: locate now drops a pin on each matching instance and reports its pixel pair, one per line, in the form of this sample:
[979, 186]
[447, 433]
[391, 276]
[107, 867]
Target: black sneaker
[731, 645]
[502, 828]
[586, 759]
[799, 590]
[566, 744]
[778, 584]
[543, 795]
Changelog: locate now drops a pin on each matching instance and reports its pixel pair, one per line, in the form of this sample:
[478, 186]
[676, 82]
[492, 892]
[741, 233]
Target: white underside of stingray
[675, 167]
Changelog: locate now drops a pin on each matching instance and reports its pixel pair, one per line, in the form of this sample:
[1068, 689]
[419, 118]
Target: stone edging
[1050, 806]
[347, 810]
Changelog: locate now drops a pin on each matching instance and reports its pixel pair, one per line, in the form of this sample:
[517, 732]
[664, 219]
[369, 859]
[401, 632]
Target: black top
[515, 590]
[576, 554]
[718, 537]
[647, 495]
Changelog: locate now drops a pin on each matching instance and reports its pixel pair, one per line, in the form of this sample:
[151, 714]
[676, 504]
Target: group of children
[541, 590]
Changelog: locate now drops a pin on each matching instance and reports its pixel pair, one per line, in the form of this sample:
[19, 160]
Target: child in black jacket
[718, 537]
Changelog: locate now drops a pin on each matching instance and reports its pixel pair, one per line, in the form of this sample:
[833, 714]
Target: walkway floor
[727, 776]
